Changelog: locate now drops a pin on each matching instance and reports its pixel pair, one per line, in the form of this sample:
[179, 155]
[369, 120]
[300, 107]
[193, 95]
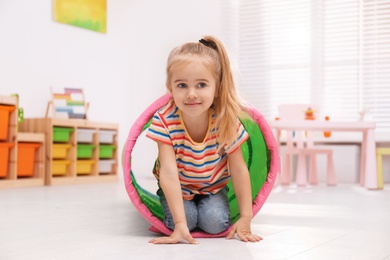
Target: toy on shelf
[365, 114]
[327, 134]
[20, 112]
[68, 103]
[309, 114]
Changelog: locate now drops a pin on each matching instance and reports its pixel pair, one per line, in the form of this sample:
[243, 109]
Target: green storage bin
[62, 134]
[106, 151]
[85, 151]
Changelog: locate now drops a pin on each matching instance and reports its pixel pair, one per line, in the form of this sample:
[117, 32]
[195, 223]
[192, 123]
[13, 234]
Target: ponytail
[227, 104]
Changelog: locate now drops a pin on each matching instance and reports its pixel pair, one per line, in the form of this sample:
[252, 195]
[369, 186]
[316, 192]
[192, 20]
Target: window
[334, 53]
[375, 60]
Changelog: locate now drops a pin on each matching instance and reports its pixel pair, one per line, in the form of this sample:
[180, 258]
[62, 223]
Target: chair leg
[363, 160]
[301, 178]
[331, 176]
[379, 170]
[285, 174]
[313, 177]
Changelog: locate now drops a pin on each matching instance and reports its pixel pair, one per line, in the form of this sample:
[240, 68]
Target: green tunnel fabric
[257, 158]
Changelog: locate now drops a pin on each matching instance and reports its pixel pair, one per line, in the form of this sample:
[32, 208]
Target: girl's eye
[201, 85]
[182, 85]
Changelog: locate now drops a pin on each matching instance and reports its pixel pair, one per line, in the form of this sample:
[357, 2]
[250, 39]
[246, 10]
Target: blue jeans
[210, 213]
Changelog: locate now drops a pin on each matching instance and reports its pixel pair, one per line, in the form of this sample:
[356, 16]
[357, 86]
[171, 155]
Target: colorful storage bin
[4, 120]
[60, 167]
[85, 135]
[85, 166]
[26, 159]
[85, 151]
[60, 150]
[106, 151]
[106, 136]
[62, 134]
[4, 156]
[105, 166]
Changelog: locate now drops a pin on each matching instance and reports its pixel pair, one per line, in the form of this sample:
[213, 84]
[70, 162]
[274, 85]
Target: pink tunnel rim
[157, 224]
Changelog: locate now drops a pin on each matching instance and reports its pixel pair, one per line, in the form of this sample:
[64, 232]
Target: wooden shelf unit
[15, 139]
[66, 167]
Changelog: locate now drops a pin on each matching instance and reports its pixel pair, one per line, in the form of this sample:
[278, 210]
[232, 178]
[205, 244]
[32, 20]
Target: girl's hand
[181, 233]
[243, 230]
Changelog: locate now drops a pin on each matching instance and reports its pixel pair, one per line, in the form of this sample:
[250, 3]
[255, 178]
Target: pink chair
[301, 144]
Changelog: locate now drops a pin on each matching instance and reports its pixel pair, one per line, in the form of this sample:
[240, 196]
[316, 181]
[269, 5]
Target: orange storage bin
[26, 158]
[4, 120]
[4, 155]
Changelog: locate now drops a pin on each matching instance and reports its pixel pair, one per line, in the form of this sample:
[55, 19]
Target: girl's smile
[193, 104]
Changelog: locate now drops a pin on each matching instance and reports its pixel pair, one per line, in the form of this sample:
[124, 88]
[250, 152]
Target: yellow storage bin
[60, 167]
[60, 150]
[85, 166]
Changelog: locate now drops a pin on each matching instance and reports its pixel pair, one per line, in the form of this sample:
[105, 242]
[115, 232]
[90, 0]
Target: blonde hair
[226, 103]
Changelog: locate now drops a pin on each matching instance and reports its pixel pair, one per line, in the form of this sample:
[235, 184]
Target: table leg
[370, 176]
[363, 149]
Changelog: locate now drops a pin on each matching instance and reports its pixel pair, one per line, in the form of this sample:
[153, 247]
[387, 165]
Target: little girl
[199, 139]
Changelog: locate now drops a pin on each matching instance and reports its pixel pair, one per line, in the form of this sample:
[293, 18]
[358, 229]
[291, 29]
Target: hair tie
[208, 44]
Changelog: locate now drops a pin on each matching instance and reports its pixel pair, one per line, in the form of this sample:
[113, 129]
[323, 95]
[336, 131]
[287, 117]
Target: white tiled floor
[98, 221]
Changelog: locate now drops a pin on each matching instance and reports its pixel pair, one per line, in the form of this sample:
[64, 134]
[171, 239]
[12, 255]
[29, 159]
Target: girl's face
[193, 88]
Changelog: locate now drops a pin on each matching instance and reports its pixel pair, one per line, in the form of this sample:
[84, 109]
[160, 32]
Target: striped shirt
[201, 168]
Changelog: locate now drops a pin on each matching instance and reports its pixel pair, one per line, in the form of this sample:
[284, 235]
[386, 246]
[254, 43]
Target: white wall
[121, 71]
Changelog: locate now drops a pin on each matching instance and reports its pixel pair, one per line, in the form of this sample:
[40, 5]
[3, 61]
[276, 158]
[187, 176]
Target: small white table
[368, 176]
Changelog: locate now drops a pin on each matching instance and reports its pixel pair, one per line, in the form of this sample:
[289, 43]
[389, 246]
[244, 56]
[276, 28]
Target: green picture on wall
[87, 14]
